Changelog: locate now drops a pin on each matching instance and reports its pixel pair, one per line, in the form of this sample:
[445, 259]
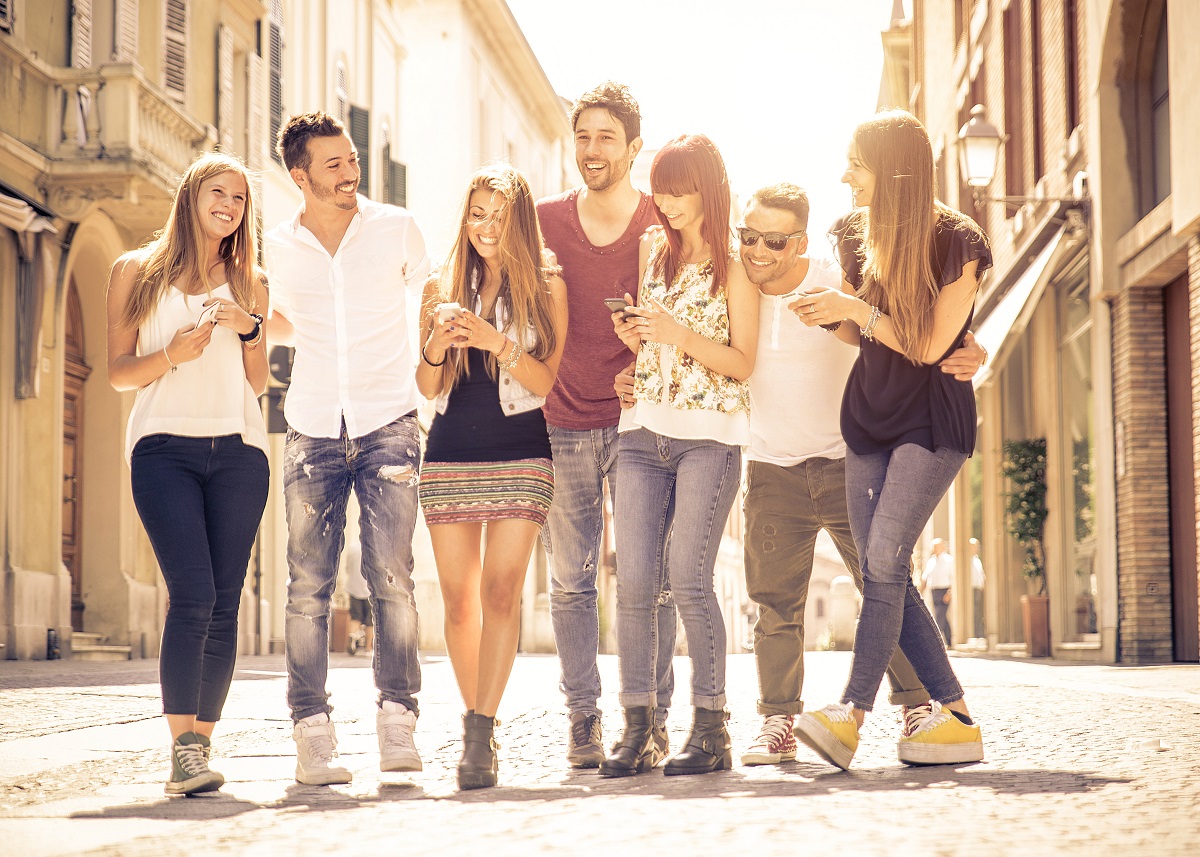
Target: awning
[1004, 324]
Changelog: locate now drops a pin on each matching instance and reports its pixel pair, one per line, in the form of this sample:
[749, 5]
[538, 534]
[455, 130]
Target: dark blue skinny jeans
[200, 500]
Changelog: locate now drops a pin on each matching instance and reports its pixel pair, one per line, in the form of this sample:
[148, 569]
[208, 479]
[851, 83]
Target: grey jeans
[890, 496]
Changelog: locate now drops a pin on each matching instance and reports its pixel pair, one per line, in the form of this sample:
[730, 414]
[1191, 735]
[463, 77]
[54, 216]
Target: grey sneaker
[394, 724]
[584, 745]
[316, 747]
[189, 767]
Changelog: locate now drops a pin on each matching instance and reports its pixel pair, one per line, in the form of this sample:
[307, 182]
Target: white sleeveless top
[205, 397]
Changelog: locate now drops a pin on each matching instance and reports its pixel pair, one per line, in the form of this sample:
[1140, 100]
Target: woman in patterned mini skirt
[494, 324]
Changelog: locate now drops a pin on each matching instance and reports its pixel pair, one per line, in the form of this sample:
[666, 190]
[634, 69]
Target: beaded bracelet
[514, 355]
[868, 332]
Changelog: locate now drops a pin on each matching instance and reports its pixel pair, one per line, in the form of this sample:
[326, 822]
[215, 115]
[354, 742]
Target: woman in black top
[912, 268]
[489, 359]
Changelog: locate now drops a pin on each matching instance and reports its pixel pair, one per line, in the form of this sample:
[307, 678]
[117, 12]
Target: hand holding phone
[447, 312]
[209, 314]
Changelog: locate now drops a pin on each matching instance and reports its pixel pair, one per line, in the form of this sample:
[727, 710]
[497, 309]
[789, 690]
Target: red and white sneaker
[775, 742]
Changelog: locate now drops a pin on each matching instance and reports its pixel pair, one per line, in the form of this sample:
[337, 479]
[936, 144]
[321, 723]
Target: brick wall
[1143, 512]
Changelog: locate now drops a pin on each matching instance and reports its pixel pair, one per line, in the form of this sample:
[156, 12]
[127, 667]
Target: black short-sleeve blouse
[889, 401]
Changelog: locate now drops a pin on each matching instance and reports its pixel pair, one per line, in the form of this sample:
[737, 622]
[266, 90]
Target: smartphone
[616, 305]
[447, 312]
[209, 314]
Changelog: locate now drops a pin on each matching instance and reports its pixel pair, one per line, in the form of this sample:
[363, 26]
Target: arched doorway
[75, 375]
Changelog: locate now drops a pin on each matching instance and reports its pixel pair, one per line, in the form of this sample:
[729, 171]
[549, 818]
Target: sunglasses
[774, 240]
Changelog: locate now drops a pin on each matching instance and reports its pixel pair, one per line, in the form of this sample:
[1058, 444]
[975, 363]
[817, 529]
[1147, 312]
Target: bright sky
[777, 84]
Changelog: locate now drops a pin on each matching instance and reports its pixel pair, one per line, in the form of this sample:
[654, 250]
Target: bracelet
[252, 343]
[868, 332]
[430, 362]
[167, 355]
[514, 355]
[832, 327]
[252, 336]
[984, 361]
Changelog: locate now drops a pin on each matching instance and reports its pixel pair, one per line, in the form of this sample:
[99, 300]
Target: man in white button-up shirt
[339, 273]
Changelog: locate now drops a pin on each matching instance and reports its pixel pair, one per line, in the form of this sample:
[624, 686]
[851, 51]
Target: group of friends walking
[600, 337]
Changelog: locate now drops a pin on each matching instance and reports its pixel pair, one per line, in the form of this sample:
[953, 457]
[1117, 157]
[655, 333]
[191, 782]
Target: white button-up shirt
[354, 355]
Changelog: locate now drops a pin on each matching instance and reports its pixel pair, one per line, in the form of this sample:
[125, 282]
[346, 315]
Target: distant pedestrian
[912, 268]
[341, 269]
[938, 582]
[978, 580]
[183, 331]
[489, 360]
[362, 627]
[694, 330]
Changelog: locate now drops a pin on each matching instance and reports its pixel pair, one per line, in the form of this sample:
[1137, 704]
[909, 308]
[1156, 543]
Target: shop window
[1077, 453]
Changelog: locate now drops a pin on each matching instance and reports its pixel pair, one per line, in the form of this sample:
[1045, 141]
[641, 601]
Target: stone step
[100, 653]
[85, 638]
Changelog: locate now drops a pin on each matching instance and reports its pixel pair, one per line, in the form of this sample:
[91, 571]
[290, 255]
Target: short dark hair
[617, 100]
[292, 144]
[787, 197]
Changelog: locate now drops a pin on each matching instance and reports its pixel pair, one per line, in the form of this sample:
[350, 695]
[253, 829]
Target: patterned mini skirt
[455, 492]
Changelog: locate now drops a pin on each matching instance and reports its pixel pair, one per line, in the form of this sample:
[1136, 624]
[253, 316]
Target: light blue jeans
[573, 540]
[890, 496]
[318, 474]
[684, 491]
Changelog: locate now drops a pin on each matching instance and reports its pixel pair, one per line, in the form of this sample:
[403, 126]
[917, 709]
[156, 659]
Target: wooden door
[1185, 601]
[75, 375]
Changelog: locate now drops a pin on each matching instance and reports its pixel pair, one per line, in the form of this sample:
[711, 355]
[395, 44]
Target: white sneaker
[397, 750]
[316, 747]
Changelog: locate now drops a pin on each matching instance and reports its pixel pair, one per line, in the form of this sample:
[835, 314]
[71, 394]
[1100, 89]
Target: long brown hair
[524, 293]
[899, 226]
[178, 253]
[691, 164]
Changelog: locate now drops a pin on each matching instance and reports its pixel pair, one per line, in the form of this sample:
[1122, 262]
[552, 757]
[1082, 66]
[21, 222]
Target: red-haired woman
[695, 331]
[488, 458]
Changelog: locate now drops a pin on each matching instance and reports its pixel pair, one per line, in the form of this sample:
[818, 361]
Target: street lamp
[978, 148]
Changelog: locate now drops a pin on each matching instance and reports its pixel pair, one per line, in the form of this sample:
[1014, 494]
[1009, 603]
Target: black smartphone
[616, 305]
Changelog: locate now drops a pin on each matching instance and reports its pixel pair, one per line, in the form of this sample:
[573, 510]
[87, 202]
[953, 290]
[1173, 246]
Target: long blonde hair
[899, 226]
[524, 293]
[178, 253]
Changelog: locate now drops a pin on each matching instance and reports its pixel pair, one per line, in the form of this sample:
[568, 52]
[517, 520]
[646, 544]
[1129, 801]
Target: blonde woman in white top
[183, 331]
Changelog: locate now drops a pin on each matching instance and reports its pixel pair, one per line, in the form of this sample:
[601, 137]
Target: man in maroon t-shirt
[594, 232]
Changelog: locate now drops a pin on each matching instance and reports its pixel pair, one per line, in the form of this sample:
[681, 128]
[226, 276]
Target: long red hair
[691, 164]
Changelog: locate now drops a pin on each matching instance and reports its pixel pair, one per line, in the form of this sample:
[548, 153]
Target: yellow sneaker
[942, 739]
[831, 732]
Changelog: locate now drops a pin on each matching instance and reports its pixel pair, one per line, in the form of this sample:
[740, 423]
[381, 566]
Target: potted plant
[1024, 465]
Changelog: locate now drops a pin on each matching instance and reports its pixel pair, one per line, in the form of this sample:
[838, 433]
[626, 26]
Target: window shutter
[275, 95]
[175, 39]
[360, 133]
[398, 183]
[81, 34]
[6, 15]
[225, 87]
[125, 31]
[256, 112]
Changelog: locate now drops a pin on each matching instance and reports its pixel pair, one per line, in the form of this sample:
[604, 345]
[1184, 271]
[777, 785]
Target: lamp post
[978, 149]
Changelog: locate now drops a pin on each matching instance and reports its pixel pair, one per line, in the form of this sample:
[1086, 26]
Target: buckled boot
[636, 752]
[478, 766]
[707, 748]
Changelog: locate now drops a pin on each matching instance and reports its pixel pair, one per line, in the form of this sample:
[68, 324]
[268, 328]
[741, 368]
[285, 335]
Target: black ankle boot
[636, 752]
[707, 748]
[478, 766]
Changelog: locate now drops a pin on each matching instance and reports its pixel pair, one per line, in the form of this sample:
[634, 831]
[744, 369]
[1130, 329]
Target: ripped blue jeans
[382, 468]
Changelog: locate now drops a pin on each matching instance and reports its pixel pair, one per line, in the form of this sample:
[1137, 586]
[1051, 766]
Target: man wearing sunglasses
[796, 470]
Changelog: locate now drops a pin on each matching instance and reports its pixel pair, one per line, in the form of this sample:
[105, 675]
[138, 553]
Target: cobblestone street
[1080, 760]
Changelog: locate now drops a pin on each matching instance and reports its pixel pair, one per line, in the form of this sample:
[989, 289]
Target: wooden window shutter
[225, 87]
[256, 112]
[360, 133]
[398, 183]
[125, 31]
[175, 40]
[81, 34]
[6, 15]
[275, 60]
